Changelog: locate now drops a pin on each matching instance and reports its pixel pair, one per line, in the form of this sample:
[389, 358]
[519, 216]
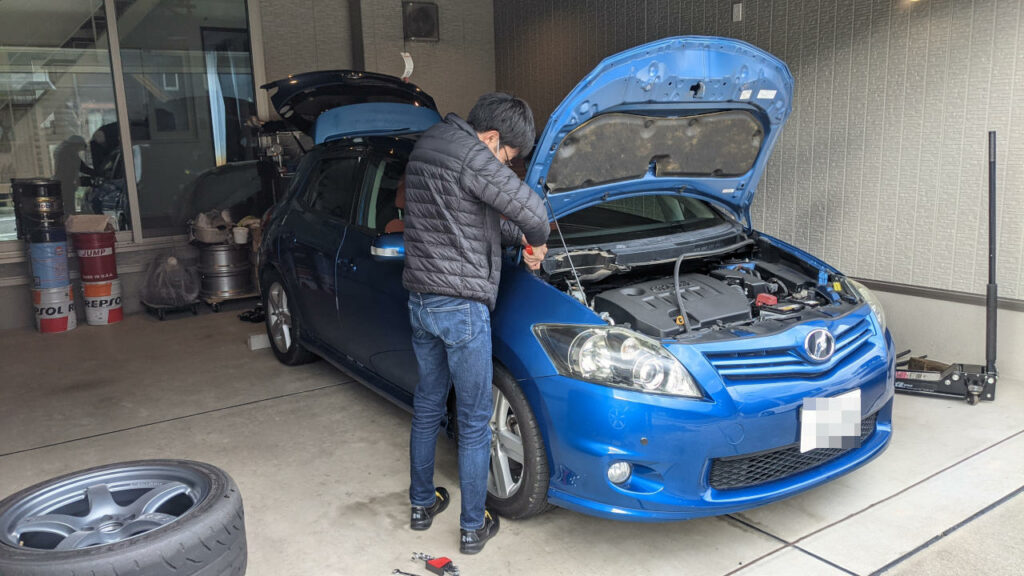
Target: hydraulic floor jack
[971, 382]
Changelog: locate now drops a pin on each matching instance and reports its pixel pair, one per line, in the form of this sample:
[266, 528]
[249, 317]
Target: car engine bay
[726, 288]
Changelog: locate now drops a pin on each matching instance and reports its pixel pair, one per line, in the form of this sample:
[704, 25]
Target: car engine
[757, 290]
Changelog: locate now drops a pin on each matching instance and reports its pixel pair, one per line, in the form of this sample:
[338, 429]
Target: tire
[176, 518]
[512, 420]
[285, 345]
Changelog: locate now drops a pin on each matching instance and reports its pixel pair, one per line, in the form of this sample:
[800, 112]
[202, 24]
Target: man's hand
[534, 255]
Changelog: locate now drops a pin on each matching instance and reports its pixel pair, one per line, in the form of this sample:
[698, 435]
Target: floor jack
[971, 382]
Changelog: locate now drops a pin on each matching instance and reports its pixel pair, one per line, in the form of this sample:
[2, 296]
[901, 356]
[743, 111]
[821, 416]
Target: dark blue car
[668, 361]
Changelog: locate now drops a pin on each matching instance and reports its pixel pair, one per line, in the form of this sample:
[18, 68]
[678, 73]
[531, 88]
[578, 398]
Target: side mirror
[388, 247]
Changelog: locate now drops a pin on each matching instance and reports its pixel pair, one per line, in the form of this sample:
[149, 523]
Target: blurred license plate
[831, 422]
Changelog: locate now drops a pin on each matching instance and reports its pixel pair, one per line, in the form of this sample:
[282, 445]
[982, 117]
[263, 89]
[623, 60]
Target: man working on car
[458, 187]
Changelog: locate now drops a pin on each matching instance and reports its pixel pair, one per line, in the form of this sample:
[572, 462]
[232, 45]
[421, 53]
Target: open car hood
[301, 98]
[695, 114]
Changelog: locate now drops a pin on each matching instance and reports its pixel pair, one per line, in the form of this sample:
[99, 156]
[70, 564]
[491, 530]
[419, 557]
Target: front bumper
[672, 442]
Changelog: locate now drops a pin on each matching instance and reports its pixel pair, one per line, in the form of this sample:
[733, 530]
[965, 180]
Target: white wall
[881, 170]
[952, 331]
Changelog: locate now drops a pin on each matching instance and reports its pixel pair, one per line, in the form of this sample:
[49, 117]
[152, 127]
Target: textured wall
[305, 35]
[455, 70]
[882, 168]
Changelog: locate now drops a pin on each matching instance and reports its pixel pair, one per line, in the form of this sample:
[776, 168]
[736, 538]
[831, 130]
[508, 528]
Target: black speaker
[419, 21]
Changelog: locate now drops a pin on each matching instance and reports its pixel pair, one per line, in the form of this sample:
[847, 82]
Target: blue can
[49, 264]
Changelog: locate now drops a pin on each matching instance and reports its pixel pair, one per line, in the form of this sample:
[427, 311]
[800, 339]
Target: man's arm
[511, 235]
[497, 185]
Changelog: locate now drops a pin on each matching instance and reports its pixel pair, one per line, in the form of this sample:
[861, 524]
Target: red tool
[439, 565]
[529, 250]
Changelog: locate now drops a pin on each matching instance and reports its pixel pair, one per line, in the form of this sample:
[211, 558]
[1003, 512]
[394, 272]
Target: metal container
[54, 309]
[37, 205]
[102, 302]
[225, 270]
[96, 259]
[49, 264]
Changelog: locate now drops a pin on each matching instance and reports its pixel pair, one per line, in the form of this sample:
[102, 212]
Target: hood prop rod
[576, 277]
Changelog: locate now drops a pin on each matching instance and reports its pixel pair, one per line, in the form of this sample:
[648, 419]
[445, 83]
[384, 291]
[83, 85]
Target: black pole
[992, 293]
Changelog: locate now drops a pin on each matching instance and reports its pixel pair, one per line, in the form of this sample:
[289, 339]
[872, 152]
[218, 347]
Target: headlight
[615, 356]
[872, 301]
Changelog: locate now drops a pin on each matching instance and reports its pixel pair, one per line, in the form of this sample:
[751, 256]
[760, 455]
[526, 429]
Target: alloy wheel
[280, 318]
[507, 458]
[102, 508]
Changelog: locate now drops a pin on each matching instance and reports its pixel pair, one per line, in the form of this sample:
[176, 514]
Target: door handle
[347, 264]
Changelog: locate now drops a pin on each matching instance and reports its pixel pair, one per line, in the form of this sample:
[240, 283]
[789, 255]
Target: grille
[752, 470]
[790, 362]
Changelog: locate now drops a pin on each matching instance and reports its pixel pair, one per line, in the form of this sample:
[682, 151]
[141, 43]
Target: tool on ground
[972, 382]
[397, 571]
[440, 565]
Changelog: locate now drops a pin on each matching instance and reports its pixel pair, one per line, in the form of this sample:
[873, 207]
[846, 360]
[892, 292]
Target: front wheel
[517, 486]
[282, 323]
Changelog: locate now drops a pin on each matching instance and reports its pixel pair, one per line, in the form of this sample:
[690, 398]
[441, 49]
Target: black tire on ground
[206, 540]
[531, 497]
[296, 353]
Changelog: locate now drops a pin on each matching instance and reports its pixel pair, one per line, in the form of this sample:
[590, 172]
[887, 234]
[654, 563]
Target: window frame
[14, 251]
[313, 179]
[361, 217]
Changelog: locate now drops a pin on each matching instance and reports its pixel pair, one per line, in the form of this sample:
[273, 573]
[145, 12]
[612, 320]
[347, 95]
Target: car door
[372, 304]
[326, 212]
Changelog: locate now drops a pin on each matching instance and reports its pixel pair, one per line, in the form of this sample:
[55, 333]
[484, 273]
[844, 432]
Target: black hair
[510, 116]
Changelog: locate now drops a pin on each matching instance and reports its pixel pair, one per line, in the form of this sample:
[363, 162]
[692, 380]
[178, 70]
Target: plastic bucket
[95, 252]
[49, 264]
[55, 309]
[102, 302]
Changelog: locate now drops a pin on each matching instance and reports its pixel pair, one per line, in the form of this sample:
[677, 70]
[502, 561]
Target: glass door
[57, 113]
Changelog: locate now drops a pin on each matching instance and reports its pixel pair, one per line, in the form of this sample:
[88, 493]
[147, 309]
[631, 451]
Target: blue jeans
[452, 341]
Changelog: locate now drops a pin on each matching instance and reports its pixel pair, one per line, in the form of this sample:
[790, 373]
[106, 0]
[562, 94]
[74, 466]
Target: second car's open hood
[694, 114]
[301, 98]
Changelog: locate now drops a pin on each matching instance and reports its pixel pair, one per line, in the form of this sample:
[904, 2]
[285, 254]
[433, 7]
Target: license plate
[831, 422]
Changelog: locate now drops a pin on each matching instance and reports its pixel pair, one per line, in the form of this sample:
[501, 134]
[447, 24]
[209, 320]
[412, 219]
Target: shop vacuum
[970, 382]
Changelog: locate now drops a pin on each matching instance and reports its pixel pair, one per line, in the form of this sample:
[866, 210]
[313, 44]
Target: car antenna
[577, 291]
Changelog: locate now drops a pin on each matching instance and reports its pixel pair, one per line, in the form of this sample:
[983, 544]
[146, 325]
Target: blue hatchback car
[668, 361]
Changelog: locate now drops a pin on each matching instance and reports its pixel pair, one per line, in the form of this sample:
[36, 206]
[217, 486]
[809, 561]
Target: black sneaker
[473, 540]
[423, 517]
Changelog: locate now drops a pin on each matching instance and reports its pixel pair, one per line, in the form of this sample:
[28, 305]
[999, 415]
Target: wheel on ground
[161, 315]
[216, 307]
[517, 486]
[282, 324]
[132, 518]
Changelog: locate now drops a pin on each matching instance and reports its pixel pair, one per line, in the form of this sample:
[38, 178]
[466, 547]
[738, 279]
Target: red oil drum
[95, 252]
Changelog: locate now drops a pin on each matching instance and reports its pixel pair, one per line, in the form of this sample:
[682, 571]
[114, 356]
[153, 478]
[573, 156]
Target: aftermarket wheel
[151, 517]
[282, 323]
[517, 486]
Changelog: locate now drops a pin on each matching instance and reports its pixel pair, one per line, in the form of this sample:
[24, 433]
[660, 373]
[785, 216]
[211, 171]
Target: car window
[333, 189]
[379, 204]
[640, 217]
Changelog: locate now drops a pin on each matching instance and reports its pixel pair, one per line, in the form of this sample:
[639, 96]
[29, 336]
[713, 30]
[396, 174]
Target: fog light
[619, 472]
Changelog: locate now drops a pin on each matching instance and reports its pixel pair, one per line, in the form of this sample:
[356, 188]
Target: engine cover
[650, 307]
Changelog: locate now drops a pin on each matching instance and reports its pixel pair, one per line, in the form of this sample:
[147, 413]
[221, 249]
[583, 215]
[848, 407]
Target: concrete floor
[322, 465]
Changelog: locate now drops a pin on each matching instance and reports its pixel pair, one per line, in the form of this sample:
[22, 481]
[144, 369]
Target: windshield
[638, 217]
